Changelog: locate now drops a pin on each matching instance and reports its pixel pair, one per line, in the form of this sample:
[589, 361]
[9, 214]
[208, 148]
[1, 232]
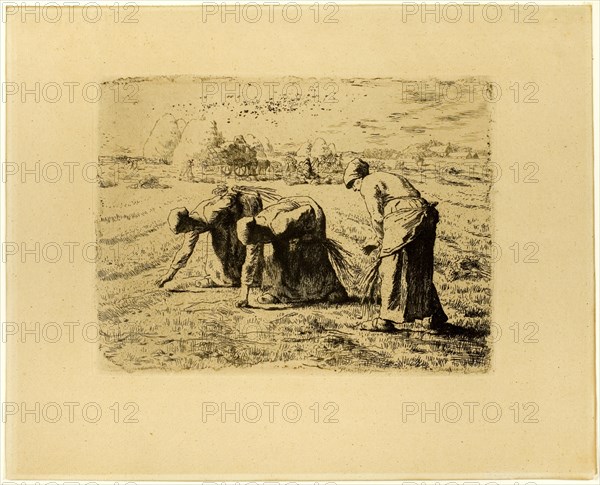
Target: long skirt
[300, 271]
[407, 289]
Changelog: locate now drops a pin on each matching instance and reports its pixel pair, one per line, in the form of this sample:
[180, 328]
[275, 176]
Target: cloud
[414, 129]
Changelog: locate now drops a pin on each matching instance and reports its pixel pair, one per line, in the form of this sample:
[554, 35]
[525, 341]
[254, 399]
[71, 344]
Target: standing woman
[404, 225]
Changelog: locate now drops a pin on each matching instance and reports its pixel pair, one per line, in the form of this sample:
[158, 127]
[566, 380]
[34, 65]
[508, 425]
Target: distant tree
[217, 137]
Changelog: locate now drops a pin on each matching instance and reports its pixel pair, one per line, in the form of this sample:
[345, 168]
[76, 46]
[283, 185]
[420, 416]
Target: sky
[354, 114]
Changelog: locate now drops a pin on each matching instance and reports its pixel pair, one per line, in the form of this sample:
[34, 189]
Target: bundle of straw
[339, 259]
[368, 289]
[368, 286]
[266, 193]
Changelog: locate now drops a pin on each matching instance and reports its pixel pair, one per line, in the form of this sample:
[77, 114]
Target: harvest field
[183, 326]
[176, 137]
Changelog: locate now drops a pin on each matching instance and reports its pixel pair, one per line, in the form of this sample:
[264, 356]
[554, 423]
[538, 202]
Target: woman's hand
[241, 303]
[166, 278]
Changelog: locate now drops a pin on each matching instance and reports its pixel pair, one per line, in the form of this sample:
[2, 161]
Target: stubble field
[185, 327]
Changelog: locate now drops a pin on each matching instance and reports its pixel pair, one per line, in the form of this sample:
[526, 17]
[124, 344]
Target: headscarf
[176, 218]
[356, 169]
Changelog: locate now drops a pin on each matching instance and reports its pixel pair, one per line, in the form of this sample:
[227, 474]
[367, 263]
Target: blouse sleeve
[185, 251]
[252, 265]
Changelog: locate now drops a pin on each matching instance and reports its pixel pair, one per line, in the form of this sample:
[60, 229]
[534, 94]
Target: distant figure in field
[187, 173]
[298, 268]
[218, 216]
[404, 225]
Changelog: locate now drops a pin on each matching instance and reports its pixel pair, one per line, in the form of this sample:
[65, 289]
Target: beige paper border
[370, 441]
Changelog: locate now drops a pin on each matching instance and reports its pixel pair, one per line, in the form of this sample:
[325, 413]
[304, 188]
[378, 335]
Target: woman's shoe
[267, 299]
[379, 325]
[206, 283]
